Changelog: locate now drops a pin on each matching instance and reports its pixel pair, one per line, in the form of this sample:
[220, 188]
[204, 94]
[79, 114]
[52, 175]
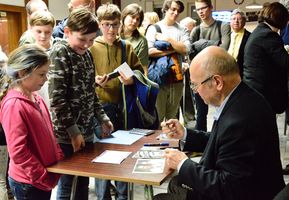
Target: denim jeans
[24, 191]
[202, 112]
[102, 189]
[66, 181]
[3, 172]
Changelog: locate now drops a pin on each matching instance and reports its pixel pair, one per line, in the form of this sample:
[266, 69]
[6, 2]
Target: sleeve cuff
[181, 163]
[73, 130]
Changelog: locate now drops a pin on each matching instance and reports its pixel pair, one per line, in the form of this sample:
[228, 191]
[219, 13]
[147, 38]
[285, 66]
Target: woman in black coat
[266, 62]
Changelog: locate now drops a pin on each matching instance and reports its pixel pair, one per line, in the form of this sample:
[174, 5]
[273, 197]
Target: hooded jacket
[71, 86]
[30, 140]
[106, 59]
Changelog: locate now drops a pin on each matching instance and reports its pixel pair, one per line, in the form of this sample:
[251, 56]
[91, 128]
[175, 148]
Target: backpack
[139, 103]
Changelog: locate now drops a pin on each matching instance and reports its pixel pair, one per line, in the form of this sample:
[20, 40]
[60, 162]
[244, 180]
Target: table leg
[73, 187]
[130, 191]
[148, 192]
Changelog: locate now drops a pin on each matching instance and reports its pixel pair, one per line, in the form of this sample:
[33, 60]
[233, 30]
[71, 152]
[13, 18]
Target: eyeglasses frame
[195, 87]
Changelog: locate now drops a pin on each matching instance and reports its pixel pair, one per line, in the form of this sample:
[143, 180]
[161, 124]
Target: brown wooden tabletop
[80, 163]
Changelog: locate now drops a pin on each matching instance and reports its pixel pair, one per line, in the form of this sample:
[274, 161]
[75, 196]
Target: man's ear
[219, 81]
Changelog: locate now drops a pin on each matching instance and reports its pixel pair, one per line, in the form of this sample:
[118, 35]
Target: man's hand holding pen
[173, 128]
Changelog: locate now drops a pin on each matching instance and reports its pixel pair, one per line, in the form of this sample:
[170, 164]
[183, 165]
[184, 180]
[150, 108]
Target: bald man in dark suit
[241, 156]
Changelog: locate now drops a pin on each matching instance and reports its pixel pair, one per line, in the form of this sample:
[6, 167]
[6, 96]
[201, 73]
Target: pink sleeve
[13, 122]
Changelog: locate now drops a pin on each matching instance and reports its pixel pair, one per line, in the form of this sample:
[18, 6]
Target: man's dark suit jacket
[266, 65]
[241, 160]
[240, 57]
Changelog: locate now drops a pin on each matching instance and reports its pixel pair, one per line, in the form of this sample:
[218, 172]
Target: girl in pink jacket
[27, 125]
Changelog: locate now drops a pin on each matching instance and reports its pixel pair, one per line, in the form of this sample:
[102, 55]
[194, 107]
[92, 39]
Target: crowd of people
[55, 89]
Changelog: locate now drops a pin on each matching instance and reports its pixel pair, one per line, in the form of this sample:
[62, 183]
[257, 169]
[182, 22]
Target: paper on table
[151, 166]
[125, 68]
[121, 137]
[113, 157]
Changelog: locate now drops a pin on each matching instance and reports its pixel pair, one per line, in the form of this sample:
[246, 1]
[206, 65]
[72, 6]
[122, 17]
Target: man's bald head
[89, 4]
[214, 74]
[215, 60]
[35, 5]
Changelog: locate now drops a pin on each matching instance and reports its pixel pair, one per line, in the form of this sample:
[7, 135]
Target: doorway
[12, 25]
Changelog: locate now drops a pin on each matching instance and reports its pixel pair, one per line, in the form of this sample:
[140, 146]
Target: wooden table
[80, 164]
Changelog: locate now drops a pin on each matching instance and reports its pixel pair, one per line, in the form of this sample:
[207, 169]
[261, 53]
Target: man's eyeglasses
[108, 26]
[195, 86]
[202, 8]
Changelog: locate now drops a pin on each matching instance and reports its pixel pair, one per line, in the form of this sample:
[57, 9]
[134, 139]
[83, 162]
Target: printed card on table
[151, 166]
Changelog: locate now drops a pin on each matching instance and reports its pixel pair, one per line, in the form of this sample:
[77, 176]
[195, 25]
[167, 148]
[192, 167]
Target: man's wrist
[181, 163]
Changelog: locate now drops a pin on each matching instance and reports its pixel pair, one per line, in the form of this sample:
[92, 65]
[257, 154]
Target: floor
[139, 189]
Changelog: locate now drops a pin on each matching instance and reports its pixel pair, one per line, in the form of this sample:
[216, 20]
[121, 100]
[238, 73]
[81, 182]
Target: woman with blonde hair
[149, 19]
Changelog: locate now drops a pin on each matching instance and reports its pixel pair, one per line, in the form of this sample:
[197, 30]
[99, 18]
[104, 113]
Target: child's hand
[107, 128]
[125, 80]
[77, 142]
[101, 80]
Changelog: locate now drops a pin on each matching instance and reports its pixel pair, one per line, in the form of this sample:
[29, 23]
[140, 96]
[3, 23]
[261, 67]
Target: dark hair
[82, 20]
[275, 14]
[168, 3]
[133, 10]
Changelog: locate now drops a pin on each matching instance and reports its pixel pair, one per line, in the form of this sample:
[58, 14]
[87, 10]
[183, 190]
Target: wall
[13, 2]
[148, 5]
[60, 10]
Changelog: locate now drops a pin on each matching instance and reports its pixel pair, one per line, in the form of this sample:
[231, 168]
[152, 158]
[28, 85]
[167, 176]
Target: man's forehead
[200, 4]
[195, 67]
[236, 15]
[38, 5]
[76, 3]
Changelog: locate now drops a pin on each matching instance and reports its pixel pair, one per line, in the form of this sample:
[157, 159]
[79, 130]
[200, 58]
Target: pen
[156, 144]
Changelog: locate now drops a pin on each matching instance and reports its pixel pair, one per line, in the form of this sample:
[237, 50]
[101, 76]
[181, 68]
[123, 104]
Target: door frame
[17, 9]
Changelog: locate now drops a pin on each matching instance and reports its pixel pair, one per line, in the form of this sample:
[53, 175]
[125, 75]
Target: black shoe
[286, 170]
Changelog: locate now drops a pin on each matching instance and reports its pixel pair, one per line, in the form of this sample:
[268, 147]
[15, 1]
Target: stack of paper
[113, 157]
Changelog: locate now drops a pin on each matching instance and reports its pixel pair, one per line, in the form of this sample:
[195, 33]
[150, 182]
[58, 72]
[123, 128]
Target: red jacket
[30, 140]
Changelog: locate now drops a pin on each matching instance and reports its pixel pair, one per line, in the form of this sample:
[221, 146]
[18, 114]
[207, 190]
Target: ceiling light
[254, 5]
